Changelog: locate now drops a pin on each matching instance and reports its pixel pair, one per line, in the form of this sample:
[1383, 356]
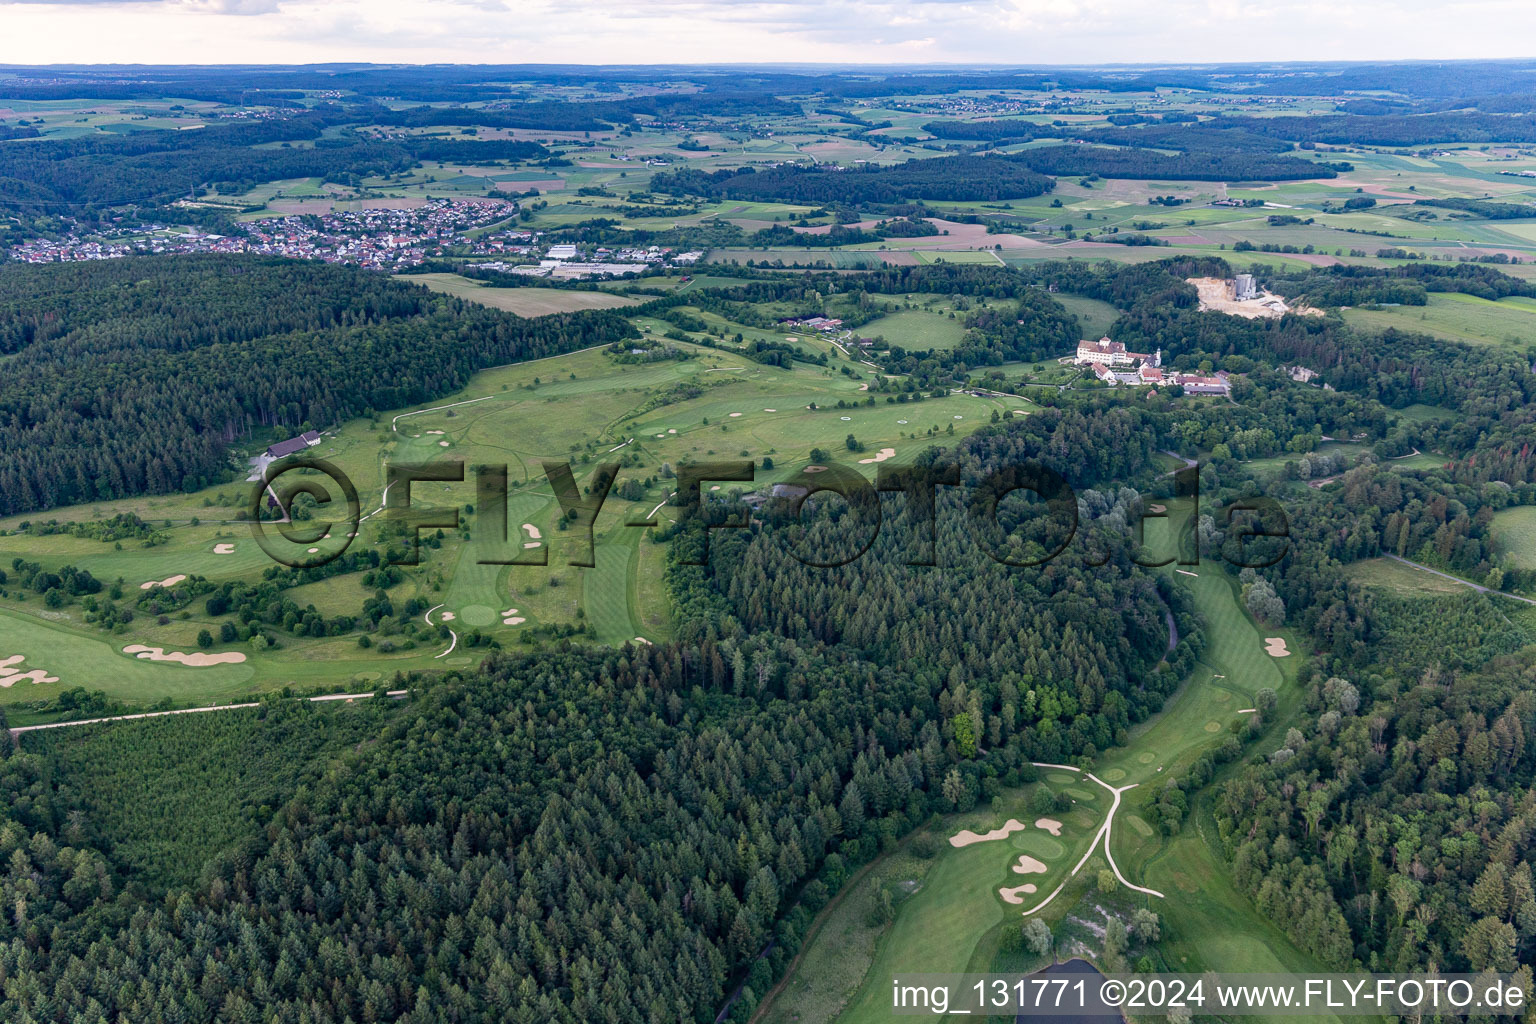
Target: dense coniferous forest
[147, 167]
[1394, 130]
[134, 376]
[1201, 166]
[590, 833]
[953, 178]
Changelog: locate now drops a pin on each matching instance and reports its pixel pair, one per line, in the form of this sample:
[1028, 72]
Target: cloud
[209, 6]
[757, 31]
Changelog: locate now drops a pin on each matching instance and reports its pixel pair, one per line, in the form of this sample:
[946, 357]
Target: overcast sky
[687, 31]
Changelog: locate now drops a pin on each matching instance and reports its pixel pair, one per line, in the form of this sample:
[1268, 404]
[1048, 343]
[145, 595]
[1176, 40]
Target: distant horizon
[871, 33]
[781, 65]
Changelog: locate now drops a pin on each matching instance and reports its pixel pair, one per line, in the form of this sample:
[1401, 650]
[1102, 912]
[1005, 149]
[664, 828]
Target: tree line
[135, 376]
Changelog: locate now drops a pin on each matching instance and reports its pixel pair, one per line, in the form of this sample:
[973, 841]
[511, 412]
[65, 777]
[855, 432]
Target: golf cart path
[427, 618]
[16, 732]
[1102, 837]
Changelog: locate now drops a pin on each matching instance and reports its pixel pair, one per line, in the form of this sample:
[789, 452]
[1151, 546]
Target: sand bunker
[1027, 865]
[735, 414]
[880, 456]
[1275, 647]
[1050, 825]
[1016, 894]
[511, 618]
[770, 410]
[533, 531]
[442, 444]
[11, 673]
[643, 640]
[169, 581]
[671, 430]
[815, 469]
[966, 837]
[223, 549]
[846, 419]
[198, 660]
[437, 431]
[446, 617]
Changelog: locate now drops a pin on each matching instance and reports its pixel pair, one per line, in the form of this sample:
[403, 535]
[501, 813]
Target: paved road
[1188, 463]
[1458, 579]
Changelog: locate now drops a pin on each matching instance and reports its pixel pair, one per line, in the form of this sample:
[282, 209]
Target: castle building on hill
[1112, 364]
[1111, 353]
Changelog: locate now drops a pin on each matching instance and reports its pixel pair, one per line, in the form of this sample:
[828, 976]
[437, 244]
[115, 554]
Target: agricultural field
[522, 301]
[1514, 536]
[1402, 580]
[1508, 323]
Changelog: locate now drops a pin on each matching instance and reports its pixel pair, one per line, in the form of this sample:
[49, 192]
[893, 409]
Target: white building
[561, 252]
[1111, 353]
[1244, 287]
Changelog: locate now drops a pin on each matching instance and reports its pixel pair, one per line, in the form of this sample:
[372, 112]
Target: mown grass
[917, 329]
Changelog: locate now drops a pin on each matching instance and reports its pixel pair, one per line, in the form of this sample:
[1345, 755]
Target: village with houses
[387, 238]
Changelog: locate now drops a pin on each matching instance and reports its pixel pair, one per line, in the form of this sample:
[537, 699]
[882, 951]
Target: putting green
[478, 615]
[1040, 844]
